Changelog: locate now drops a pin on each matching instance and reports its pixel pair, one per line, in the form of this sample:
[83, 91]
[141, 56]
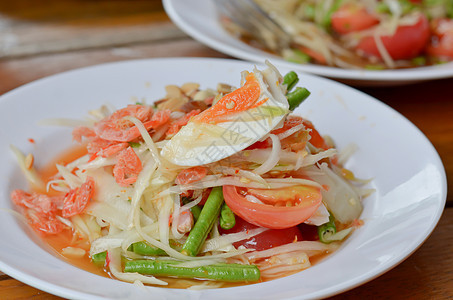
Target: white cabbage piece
[341, 198]
[200, 143]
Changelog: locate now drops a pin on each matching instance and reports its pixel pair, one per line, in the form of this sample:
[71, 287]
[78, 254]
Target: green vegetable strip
[196, 211]
[327, 230]
[227, 218]
[220, 272]
[296, 97]
[144, 248]
[99, 258]
[206, 220]
[290, 79]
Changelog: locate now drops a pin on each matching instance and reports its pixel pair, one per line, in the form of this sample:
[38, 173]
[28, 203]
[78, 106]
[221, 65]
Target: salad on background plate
[376, 43]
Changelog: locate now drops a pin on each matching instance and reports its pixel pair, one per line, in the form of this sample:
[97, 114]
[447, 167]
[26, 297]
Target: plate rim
[65, 292]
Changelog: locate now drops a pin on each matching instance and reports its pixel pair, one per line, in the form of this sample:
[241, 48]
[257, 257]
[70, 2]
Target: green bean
[227, 218]
[206, 220]
[290, 79]
[195, 210]
[99, 258]
[143, 248]
[220, 272]
[327, 230]
[296, 97]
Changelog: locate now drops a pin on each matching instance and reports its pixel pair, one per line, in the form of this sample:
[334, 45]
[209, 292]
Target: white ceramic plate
[408, 176]
[199, 20]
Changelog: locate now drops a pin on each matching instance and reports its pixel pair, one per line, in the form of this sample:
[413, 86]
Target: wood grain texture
[429, 106]
[30, 27]
[16, 290]
[15, 72]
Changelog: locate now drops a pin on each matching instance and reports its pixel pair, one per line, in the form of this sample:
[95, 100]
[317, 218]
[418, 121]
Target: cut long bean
[290, 79]
[206, 220]
[195, 210]
[99, 258]
[296, 97]
[327, 230]
[227, 218]
[144, 248]
[220, 272]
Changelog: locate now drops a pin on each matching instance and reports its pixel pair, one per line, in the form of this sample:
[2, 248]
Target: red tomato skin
[407, 42]
[270, 216]
[350, 18]
[315, 137]
[442, 40]
[309, 232]
[266, 240]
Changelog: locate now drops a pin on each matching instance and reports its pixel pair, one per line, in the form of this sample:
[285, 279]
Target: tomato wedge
[303, 202]
[265, 240]
[352, 17]
[407, 42]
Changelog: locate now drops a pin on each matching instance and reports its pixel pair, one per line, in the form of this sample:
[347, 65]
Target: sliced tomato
[315, 138]
[300, 204]
[293, 194]
[407, 42]
[352, 17]
[309, 232]
[442, 40]
[268, 239]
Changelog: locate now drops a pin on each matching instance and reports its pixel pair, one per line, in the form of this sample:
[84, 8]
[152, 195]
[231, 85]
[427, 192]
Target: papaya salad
[353, 34]
[203, 188]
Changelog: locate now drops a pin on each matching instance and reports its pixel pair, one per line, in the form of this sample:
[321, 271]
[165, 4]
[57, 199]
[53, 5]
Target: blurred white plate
[408, 176]
[199, 20]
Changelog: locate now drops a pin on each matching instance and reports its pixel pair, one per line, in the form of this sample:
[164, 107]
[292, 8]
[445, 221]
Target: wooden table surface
[44, 37]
